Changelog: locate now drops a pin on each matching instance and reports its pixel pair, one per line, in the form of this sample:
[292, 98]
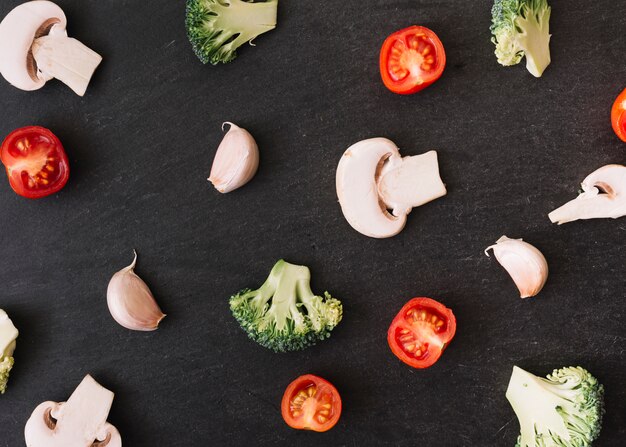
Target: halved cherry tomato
[618, 116]
[35, 161]
[421, 331]
[411, 59]
[311, 403]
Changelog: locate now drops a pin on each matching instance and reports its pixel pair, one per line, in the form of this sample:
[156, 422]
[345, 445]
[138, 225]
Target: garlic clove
[526, 265]
[236, 160]
[130, 301]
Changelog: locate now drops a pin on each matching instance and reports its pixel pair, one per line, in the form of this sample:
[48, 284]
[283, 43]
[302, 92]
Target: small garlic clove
[526, 265]
[130, 301]
[236, 160]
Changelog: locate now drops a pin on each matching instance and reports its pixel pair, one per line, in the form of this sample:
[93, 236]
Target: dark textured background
[141, 142]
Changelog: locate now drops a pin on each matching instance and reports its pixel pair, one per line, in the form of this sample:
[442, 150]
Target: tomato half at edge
[618, 116]
[311, 403]
[35, 162]
[411, 59]
[421, 331]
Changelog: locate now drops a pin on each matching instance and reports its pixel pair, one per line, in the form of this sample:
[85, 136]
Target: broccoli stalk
[522, 28]
[563, 410]
[216, 28]
[284, 314]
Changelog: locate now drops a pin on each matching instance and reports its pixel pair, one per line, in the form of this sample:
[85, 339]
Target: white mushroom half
[79, 422]
[372, 178]
[603, 196]
[34, 48]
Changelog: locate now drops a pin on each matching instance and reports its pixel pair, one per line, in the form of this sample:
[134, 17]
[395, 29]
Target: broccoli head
[284, 314]
[8, 335]
[563, 410]
[522, 28]
[216, 28]
[6, 363]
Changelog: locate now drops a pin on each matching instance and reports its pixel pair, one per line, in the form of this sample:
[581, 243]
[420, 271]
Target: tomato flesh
[35, 162]
[618, 116]
[411, 59]
[421, 331]
[311, 403]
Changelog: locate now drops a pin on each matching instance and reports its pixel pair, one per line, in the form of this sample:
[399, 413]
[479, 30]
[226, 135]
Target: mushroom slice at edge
[79, 422]
[34, 48]
[372, 177]
[603, 196]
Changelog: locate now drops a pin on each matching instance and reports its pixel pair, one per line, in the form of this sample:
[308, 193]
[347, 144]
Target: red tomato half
[618, 116]
[411, 59]
[311, 403]
[421, 331]
[35, 161]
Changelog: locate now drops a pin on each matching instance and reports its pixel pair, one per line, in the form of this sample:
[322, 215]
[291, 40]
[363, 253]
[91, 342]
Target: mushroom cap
[18, 30]
[357, 188]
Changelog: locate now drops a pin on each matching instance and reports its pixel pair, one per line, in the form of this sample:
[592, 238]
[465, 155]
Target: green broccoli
[522, 28]
[216, 28]
[284, 314]
[6, 363]
[8, 335]
[564, 410]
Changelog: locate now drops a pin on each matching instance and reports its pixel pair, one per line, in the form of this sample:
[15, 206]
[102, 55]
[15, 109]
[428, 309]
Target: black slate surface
[141, 143]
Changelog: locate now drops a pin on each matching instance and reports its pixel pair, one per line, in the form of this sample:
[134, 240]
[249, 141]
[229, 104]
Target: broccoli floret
[564, 410]
[522, 28]
[284, 314]
[216, 28]
[6, 363]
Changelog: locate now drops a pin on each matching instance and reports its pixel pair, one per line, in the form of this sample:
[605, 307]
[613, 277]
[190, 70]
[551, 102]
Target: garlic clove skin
[236, 160]
[526, 265]
[130, 301]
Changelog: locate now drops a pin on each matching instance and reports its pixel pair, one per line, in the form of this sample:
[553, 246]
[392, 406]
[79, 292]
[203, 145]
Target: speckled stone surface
[141, 142]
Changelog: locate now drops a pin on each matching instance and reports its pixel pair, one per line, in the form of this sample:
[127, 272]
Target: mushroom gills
[66, 59]
[79, 422]
[603, 196]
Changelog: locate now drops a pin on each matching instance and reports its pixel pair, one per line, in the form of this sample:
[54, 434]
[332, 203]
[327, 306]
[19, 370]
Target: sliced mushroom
[34, 48]
[79, 422]
[372, 178]
[603, 196]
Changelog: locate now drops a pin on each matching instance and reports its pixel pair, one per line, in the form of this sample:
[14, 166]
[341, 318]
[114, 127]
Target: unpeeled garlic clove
[526, 265]
[130, 301]
[236, 160]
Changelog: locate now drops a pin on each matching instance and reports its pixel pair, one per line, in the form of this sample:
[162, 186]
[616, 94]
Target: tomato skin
[444, 335]
[418, 78]
[35, 162]
[324, 394]
[618, 116]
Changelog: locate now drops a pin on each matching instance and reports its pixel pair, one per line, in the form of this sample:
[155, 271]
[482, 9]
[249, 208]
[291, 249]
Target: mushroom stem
[409, 182]
[66, 59]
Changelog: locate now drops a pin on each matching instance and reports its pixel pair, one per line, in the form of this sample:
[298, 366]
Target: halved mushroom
[604, 195]
[79, 422]
[372, 178]
[34, 48]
